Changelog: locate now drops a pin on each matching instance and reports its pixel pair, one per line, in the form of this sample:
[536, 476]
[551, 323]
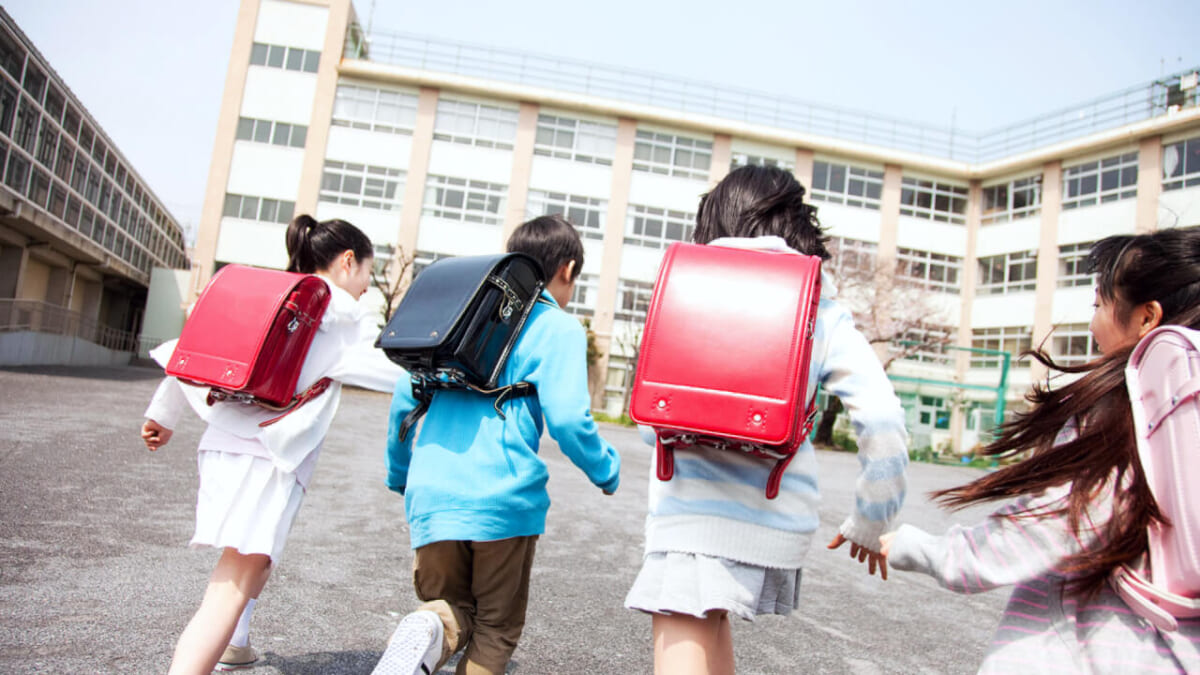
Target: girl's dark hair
[1131, 270]
[753, 201]
[552, 241]
[312, 246]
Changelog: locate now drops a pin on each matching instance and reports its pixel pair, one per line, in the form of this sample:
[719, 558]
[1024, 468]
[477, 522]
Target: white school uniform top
[342, 349]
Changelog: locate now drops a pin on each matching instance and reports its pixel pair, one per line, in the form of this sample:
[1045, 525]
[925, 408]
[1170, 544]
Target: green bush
[844, 441]
[623, 420]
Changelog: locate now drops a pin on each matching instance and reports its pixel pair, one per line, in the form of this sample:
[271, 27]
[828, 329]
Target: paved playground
[95, 576]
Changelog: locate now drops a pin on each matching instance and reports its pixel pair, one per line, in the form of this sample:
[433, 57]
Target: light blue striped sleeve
[852, 372]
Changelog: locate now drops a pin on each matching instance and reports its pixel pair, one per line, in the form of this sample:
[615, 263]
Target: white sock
[241, 634]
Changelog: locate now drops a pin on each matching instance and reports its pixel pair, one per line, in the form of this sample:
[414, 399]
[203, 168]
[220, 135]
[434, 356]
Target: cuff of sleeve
[905, 552]
[397, 484]
[612, 484]
[163, 413]
[863, 533]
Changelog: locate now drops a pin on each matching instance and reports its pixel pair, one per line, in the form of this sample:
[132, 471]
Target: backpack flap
[727, 345]
[1163, 378]
[222, 339]
[463, 314]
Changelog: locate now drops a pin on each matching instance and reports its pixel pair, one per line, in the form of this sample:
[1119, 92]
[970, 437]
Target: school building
[441, 149]
[81, 234]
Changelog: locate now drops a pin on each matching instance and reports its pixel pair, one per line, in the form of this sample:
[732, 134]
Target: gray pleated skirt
[695, 584]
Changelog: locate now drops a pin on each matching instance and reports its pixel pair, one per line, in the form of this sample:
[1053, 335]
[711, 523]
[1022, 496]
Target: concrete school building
[441, 149]
[81, 233]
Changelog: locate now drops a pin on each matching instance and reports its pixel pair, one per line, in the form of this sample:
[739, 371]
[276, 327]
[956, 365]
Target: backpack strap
[423, 389]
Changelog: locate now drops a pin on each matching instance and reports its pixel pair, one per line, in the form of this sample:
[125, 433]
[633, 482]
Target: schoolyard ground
[95, 575]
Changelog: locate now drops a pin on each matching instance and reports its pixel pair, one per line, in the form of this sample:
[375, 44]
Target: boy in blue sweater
[474, 486]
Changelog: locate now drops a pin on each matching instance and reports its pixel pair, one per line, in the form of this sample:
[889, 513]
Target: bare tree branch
[391, 276]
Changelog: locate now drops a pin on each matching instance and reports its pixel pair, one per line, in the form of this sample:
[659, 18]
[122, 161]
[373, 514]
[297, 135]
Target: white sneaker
[415, 647]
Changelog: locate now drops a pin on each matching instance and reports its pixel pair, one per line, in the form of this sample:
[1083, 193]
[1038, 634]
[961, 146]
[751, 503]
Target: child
[253, 479]
[1082, 504]
[715, 545]
[474, 487]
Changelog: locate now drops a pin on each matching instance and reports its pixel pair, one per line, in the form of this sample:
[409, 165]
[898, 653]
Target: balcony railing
[644, 87]
[43, 317]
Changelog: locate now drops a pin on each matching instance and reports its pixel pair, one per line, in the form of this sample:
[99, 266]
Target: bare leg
[686, 645]
[236, 579]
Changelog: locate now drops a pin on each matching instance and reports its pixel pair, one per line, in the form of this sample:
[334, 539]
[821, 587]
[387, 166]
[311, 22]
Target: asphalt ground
[96, 577]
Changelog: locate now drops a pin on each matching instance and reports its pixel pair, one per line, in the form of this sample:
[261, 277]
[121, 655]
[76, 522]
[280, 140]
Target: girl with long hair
[1082, 504]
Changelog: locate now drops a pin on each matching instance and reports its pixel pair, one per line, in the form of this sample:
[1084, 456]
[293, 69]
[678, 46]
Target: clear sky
[152, 71]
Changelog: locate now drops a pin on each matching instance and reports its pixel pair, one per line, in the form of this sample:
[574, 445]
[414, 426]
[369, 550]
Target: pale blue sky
[152, 71]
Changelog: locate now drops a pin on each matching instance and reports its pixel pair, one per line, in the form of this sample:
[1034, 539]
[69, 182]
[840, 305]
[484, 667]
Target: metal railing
[43, 317]
[692, 96]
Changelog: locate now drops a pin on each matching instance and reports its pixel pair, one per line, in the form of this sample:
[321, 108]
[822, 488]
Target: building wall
[456, 162]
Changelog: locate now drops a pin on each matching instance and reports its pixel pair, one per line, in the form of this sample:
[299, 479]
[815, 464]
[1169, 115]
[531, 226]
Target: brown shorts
[480, 589]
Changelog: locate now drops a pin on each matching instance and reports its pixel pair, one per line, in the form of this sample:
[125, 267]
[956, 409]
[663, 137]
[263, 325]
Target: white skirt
[244, 503]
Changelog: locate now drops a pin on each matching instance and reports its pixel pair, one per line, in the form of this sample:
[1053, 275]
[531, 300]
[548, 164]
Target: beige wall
[518, 183]
[322, 111]
[614, 239]
[36, 281]
[1149, 184]
[889, 216]
[218, 171]
[418, 170]
[804, 168]
[1047, 264]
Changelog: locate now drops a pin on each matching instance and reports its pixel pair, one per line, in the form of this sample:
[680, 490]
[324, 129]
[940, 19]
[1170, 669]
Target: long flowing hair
[1130, 270]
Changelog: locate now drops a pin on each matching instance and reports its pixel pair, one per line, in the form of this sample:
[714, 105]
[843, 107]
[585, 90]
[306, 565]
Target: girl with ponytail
[1082, 504]
[252, 478]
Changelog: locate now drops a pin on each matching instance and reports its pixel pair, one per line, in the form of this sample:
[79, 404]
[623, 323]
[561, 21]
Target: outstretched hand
[155, 435]
[873, 559]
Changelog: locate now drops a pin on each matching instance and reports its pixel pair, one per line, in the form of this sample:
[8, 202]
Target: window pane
[275, 56]
[258, 55]
[245, 129]
[311, 61]
[299, 134]
[281, 133]
[295, 58]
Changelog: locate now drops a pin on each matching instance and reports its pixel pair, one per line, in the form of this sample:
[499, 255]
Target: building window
[740, 159]
[1011, 339]
[672, 155]
[1072, 265]
[424, 259]
[925, 345]
[473, 201]
[933, 200]
[371, 187]
[850, 257]
[633, 300]
[393, 112]
[475, 124]
[1013, 200]
[275, 133]
[583, 298]
[567, 138]
[657, 228]
[1072, 344]
[924, 269]
[288, 58]
[1100, 182]
[849, 185]
[258, 208]
[1007, 273]
[587, 214]
[1181, 164]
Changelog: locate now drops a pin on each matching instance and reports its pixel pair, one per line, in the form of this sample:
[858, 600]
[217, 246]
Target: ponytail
[312, 246]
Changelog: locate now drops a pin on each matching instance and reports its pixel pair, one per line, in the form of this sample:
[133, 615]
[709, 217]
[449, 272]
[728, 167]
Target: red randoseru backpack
[725, 354]
[248, 335]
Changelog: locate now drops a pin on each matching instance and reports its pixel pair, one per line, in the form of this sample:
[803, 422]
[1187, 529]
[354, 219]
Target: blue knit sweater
[473, 476]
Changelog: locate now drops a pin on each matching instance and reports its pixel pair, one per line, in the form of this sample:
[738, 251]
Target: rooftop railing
[691, 96]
